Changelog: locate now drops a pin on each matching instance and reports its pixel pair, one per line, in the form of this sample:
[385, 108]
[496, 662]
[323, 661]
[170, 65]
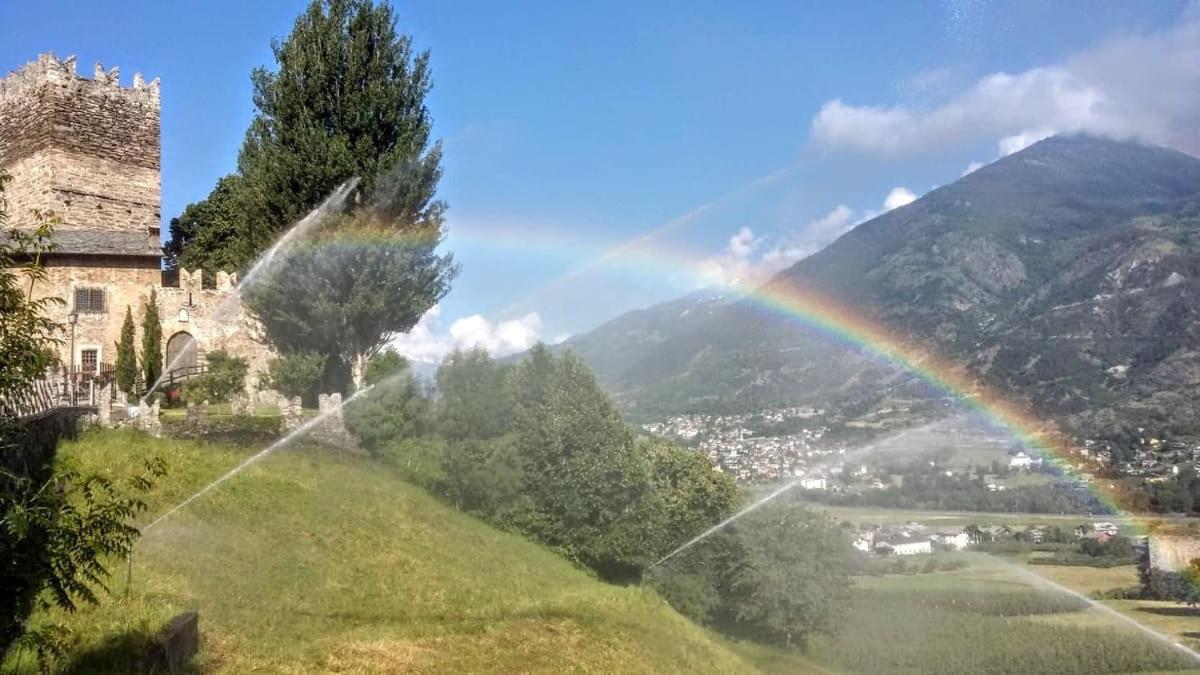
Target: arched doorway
[181, 351]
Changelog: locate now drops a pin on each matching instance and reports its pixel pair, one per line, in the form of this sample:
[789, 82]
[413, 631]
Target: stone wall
[1174, 551]
[86, 149]
[124, 284]
[216, 319]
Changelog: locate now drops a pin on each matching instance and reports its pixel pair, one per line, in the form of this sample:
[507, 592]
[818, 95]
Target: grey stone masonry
[86, 149]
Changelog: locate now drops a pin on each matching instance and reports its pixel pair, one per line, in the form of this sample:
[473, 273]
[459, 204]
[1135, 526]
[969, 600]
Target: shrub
[788, 578]
[295, 374]
[484, 477]
[420, 461]
[226, 378]
[394, 410]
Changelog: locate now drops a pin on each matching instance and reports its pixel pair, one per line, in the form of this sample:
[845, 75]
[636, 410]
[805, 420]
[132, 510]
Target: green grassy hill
[312, 562]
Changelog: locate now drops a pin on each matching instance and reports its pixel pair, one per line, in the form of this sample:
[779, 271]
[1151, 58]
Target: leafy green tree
[397, 408]
[347, 100]
[694, 496]
[127, 369]
[387, 363]
[588, 487]
[58, 534]
[790, 579]
[689, 497]
[152, 358]
[485, 477]
[353, 287]
[225, 378]
[208, 234]
[296, 374]
[476, 396]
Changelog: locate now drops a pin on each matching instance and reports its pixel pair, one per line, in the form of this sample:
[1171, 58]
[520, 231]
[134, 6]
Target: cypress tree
[127, 370]
[152, 358]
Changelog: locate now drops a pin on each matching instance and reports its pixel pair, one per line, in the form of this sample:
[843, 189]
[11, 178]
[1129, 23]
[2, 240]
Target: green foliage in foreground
[58, 536]
[314, 562]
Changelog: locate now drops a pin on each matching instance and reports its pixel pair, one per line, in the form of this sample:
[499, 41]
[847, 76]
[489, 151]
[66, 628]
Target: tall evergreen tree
[152, 359]
[347, 100]
[127, 369]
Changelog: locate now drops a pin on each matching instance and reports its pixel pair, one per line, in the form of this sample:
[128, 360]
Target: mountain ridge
[1101, 234]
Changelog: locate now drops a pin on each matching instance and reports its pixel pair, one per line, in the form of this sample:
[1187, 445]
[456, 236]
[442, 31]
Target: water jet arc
[304, 428]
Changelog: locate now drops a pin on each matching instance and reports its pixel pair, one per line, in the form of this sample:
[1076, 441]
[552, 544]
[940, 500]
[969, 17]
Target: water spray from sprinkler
[302, 429]
[264, 262]
[1039, 580]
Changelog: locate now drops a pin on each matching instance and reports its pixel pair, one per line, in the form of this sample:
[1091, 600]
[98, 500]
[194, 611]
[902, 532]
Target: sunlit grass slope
[311, 562]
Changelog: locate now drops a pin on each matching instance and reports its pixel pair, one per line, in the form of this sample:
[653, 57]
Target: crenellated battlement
[50, 70]
[86, 149]
[194, 281]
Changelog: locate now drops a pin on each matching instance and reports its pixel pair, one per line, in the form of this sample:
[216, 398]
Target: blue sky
[572, 128]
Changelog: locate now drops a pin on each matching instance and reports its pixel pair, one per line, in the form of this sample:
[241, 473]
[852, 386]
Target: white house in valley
[905, 547]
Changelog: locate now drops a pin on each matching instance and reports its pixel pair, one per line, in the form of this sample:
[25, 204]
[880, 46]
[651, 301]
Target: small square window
[89, 360]
[89, 300]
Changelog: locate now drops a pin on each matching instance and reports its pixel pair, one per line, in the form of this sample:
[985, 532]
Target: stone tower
[87, 150]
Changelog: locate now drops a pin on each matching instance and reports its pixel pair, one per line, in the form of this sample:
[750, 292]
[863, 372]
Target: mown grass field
[313, 562]
[963, 518]
[987, 618]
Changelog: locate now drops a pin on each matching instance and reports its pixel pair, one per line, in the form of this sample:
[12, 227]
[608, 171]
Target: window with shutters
[89, 300]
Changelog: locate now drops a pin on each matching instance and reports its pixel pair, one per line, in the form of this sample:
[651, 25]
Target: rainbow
[840, 323]
[810, 308]
[834, 319]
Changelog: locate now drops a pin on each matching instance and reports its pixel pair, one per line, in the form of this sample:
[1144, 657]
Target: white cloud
[972, 168]
[899, 196]
[428, 342]
[735, 264]
[741, 263]
[1135, 86]
[1018, 142]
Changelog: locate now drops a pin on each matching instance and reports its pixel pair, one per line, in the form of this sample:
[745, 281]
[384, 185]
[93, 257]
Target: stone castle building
[88, 151]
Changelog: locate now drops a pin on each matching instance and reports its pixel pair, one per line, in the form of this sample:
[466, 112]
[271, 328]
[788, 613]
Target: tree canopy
[346, 100]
